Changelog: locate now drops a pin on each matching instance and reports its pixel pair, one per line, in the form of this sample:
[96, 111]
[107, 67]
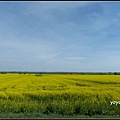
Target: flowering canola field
[60, 94]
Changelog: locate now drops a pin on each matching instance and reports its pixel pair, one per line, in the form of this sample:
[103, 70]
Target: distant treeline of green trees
[81, 73]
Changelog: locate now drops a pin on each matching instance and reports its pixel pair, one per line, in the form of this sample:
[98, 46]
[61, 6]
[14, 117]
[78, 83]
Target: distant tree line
[81, 73]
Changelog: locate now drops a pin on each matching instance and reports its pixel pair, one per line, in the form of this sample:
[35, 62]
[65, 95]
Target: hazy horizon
[59, 36]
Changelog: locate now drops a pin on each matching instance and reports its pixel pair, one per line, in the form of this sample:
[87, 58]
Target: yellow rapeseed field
[60, 94]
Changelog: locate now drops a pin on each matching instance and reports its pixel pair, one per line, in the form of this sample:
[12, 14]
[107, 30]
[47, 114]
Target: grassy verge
[41, 115]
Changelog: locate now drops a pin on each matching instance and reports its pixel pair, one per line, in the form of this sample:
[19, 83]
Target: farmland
[30, 95]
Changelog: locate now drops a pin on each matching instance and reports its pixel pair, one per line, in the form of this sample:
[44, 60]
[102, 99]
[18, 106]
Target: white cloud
[46, 10]
[49, 6]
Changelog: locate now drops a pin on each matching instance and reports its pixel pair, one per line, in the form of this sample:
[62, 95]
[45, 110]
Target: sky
[60, 36]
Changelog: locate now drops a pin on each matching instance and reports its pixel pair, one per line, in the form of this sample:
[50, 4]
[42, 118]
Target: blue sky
[60, 36]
